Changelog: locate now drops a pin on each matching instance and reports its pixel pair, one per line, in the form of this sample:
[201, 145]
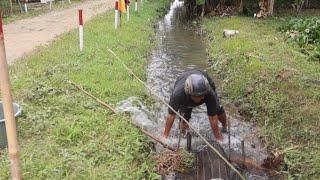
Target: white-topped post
[80, 29]
[136, 5]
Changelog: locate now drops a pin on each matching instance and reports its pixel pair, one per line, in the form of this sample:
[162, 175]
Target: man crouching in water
[192, 89]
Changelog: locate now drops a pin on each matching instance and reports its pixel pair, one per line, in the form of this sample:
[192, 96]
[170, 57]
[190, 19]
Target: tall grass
[274, 84]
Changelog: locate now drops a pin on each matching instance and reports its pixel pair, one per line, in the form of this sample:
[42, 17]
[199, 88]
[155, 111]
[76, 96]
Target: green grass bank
[63, 133]
[274, 85]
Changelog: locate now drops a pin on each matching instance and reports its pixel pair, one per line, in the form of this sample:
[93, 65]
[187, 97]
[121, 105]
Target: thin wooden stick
[93, 97]
[11, 128]
[243, 153]
[114, 111]
[229, 139]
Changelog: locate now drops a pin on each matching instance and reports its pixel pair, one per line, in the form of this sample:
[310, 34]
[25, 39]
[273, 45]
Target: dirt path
[23, 36]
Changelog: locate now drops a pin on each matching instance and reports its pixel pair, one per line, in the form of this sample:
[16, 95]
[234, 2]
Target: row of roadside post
[121, 7]
[25, 5]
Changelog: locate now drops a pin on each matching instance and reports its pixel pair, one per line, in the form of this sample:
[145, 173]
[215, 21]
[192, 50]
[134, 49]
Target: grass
[271, 82]
[66, 135]
[18, 15]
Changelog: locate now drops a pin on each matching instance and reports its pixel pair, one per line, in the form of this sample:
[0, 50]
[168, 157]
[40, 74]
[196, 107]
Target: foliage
[298, 5]
[305, 32]
[200, 2]
[63, 133]
[271, 82]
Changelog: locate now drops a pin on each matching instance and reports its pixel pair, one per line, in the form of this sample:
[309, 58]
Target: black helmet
[196, 85]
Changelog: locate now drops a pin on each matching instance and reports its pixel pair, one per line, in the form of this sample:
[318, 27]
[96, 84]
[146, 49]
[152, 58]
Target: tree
[191, 6]
[209, 6]
[11, 8]
[298, 5]
[271, 5]
[266, 8]
[240, 4]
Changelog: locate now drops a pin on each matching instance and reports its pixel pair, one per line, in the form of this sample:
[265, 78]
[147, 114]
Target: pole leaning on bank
[10, 121]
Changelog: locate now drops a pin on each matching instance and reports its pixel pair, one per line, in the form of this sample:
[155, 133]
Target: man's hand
[164, 136]
[214, 126]
[169, 122]
[219, 138]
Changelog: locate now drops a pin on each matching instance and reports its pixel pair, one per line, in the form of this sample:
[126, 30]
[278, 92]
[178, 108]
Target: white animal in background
[229, 33]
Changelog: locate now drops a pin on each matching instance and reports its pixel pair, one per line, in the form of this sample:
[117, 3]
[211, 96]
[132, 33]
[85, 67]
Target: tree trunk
[240, 6]
[191, 6]
[221, 5]
[264, 8]
[307, 4]
[271, 5]
[209, 6]
[11, 8]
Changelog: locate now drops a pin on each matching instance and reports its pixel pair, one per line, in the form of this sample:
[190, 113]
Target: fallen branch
[114, 111]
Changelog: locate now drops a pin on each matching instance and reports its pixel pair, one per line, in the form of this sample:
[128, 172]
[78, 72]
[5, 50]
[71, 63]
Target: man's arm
[169, 122]
[215, 128]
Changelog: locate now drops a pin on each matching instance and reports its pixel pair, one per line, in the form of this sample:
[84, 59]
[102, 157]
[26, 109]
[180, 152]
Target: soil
[21, 37]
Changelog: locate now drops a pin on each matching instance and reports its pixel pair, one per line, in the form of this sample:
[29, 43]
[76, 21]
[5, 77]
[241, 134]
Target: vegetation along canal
[181, 48]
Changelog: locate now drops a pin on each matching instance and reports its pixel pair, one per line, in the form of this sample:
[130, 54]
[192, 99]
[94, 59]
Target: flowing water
[180, 48]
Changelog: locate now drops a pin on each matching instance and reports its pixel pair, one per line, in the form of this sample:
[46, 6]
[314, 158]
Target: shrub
[306, 33]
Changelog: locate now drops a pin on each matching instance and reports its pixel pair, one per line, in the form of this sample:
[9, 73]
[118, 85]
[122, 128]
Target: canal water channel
[180, 48]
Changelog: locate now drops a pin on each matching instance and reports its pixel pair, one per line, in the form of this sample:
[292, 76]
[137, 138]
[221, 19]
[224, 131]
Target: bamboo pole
[114, 111]
[10, 121]
[93, 97]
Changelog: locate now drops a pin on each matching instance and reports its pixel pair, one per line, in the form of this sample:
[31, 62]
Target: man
[192, 89]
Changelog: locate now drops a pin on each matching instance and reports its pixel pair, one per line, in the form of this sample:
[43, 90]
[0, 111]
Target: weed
[306, 33]
[273, 83]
